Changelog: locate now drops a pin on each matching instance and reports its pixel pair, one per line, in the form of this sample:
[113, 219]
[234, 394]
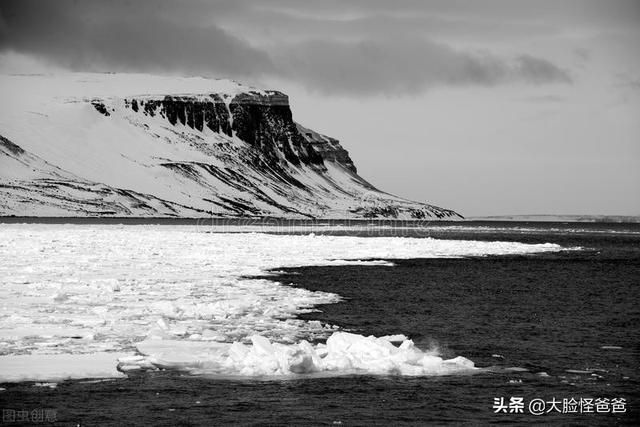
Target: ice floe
[59, 367]
[344, 353]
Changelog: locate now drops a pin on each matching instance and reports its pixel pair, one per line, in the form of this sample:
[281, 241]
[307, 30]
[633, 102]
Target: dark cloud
[538, 70]
[125, 37]
[403, 67]
[197, 38]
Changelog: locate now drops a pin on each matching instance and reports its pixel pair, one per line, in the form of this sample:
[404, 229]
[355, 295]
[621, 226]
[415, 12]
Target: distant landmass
[559, 218]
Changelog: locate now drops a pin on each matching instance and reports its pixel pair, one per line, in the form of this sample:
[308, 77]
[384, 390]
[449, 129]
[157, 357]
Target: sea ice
[189, 299]
[59, 367]
[344, 353]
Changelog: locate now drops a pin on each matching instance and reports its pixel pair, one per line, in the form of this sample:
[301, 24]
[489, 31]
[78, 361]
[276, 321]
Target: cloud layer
[85, 38]
[407, 66]
[208, 39]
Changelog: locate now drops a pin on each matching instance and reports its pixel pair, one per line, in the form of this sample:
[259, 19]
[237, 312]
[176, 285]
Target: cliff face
[262, 120]
[328, 148]
[232, 151]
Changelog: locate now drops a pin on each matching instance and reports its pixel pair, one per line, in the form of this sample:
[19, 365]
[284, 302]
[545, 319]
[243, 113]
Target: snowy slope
[149, 146]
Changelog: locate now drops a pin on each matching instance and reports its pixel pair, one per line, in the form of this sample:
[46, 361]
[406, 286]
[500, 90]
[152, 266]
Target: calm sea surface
[551, 326]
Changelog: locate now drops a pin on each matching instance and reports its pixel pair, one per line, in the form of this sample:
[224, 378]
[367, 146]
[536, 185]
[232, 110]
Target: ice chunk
[344, 353]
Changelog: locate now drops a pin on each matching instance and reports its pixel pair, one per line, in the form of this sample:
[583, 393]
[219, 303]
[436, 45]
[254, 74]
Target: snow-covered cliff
[132, 145]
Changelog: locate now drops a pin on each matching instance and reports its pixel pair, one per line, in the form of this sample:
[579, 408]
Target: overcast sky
[487, 107]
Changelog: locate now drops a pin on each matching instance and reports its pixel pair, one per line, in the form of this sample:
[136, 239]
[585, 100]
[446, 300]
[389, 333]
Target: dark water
[550, 313]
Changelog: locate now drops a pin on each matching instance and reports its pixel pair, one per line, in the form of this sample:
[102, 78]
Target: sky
[492, 107]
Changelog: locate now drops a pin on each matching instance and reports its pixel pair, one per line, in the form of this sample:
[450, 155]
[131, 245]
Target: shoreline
[275, 221]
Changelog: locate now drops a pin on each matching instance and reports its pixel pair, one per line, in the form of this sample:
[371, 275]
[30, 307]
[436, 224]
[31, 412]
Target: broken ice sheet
[99, 289]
